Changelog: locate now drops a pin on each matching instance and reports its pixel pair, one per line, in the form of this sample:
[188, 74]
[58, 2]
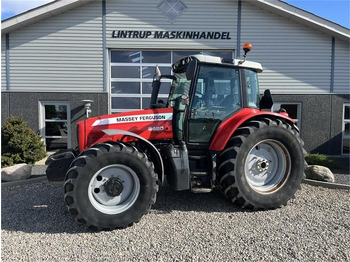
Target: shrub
[321, 160]
[19, 143]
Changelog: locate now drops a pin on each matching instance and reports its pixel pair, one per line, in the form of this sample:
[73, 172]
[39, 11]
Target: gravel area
[181, 226]
[342, 176]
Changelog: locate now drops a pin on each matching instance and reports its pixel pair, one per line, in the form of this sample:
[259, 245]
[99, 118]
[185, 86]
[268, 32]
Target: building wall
[62, 53]
[321, 121]
[296, 59]
[140, 15]
[341, 67]
[3, 62]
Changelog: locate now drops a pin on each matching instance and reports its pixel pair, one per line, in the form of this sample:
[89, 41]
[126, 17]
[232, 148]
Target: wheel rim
[267, 166]
[114, 189]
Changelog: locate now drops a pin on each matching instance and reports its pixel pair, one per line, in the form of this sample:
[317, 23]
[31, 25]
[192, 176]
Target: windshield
[179, 86]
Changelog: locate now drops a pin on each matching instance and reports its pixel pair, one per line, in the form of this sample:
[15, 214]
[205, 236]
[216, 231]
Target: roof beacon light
[246, 48]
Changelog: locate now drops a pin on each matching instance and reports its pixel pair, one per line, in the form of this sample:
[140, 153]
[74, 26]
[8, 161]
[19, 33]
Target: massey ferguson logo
[156, 128]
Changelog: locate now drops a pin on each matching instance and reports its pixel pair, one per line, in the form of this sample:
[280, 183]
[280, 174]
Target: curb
[23, 182]
[326, 184]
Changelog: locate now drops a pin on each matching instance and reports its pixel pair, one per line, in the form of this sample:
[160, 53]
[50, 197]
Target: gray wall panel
[342, 67]
[62, 53]
[296, 59]
[321, 121]
[3, 62]
[199, 16]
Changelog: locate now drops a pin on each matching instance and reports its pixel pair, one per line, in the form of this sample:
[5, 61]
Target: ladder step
[197, 157]
[204, 173]
[201, 190]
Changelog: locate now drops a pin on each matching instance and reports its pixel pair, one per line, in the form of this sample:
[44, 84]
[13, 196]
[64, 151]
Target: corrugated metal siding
[139, 15]
[3, 63]
[306, 70]
[62, 53]
[341, 68]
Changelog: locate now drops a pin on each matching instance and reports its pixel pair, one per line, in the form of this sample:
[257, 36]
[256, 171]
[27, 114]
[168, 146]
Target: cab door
[217, 95]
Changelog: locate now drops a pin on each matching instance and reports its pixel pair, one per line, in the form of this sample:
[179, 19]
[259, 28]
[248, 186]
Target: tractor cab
[207, 90]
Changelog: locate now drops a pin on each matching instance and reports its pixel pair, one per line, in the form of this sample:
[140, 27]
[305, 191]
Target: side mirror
[191, 68]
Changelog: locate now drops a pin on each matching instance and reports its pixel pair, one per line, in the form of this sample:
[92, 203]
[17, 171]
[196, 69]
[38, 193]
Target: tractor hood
[151, 124]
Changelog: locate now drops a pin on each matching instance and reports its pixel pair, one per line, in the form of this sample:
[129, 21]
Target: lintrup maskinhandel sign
[171, 34]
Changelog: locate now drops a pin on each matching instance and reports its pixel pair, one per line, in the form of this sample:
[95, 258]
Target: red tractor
[214, 131]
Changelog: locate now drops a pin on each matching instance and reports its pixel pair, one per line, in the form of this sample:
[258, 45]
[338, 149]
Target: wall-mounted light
[87, 105]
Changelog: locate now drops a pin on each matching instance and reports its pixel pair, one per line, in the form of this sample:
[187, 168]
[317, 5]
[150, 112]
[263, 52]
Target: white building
[59, 54]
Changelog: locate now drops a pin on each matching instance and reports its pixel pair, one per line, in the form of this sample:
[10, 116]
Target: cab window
[217, 95]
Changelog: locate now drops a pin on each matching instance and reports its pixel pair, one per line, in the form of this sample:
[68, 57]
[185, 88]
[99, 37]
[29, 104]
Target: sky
[337, 11]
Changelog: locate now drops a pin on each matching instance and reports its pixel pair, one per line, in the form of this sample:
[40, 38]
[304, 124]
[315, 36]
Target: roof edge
[299, 15]
[40, 13]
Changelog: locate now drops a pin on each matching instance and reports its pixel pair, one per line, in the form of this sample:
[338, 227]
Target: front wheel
[262, 165]
[111, 185]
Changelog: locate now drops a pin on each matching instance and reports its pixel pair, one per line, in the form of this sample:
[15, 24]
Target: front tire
[262, 165]
[110, 185]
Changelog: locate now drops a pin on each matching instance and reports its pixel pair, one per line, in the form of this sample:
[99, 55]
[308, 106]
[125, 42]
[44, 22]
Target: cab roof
[180, 64]
[236, 62]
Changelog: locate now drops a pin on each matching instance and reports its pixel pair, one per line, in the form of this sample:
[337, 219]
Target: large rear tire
[110, 185]
[262, 165]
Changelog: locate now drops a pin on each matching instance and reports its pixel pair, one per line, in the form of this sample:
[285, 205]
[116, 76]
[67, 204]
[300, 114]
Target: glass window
[164, 88]
[56, 129]
[293, 110]
[346, 130]
[132, 72]
[252, 88]
[156, 57]
[126, 102]
[146, 102]
[56, 112]
[149, 71]
[126, 57]
[125, 87]
[125, 72]
[218, 95]
[55, 125]
[179, 86]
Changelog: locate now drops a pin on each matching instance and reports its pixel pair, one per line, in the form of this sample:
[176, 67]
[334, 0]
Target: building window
[171, 9]
[131, 76]
[346, 130]
[55, 125]
[293, 110]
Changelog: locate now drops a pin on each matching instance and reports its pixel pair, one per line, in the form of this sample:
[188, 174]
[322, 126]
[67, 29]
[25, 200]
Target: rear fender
[158, 162]
[230, 125]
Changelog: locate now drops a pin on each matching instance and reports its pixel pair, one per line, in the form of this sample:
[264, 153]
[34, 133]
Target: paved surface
[180, 227]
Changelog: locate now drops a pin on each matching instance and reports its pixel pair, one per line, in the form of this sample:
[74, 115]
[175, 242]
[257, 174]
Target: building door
[55, 127]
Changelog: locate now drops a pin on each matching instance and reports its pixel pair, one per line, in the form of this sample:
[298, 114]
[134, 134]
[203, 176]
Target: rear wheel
[262, 165]
[111, 185]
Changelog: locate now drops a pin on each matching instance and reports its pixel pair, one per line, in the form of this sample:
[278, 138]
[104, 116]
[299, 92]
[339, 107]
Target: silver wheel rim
[114, 204]
[267, 166]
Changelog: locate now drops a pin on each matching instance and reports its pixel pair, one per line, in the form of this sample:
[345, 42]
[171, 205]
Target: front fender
[155, 153]
[230, 125]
